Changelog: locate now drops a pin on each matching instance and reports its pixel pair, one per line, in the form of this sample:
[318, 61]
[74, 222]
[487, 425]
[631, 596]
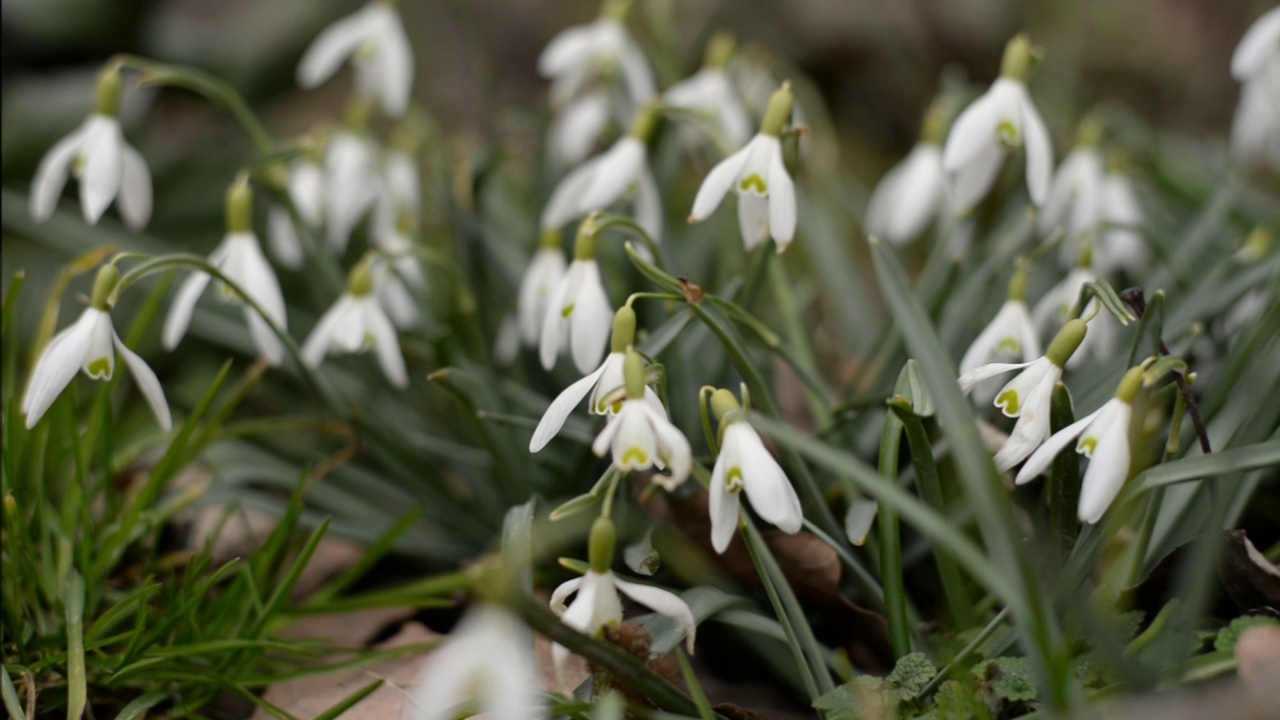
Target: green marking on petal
[100, 369]
[1009, 402]
[1009, 345]
[1087, 446]
[753, 181]
[567, 310]
[636, 455]
[733, 479]
[1009, 134]
[616, 407]
[367, 342]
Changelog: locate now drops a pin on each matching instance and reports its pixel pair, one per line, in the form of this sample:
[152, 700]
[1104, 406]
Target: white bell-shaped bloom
[352, 185]
[397, 275]
[355, 324]
[1028, 395]
[578, 315]
[487, 658]
[1074, 202]
[745, 464]
[107, 168]
[639, 437]
[580, 55]
[604, 387]
[1104, 439]
[1055, 308]
[374, 38]
[1003, 118]
[909, 197]
[1255, 133]
[1121, 244]
[577, 126]
[1010, 336]
[602, 181]
[89, 345]
[282, 236]
[402, 191]
[597, 604]
[540, 280]
[241, 260]
[766, 195]
[304, 183]
[709, 93]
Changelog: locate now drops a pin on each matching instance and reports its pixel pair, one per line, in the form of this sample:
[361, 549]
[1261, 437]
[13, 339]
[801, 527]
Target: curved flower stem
[600, 220]
[205, 85]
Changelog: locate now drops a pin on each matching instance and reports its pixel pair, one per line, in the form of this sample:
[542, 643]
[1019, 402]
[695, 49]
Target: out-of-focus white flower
[487, 658]
[639, 436]
[1104, 438]
[239, 257]
[606, 385]
[1074, 202]
[710, 94]
[578, 314]
[397, 274]
[1027, 397]
[1001, 119]
[1010, 336]
[90, 346]
[744, 463]
[766, 195]
[1121, 244]
[540, 280]
[352, 184]
[577, 126]
[356, 323]
[286, 247]
[304, 183]
[910, 196]
[1255, 133]
[597, 603]
[402, 190]
[374, 38]
[1054, 310]
[105, 165]
[604, 179]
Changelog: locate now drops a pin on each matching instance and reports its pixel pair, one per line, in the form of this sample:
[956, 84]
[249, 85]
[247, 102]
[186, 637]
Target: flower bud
[240, 205]
[633, 372]
[601, 544]
[103, 286]
[1066, 341]
[778, 112]
[106, 99]
[723, 402]
[1019, 56]
[624, 330]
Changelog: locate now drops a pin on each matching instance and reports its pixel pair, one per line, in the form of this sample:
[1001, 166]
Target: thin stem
[1136, 299]
[895, 593]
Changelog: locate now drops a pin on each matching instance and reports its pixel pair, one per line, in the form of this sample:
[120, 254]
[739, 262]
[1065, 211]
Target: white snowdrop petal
[718, 182]
[973, 132]
[766, 485]
[664, 603]
[332, 46]
[56, 366]
[395, 62]
[917, 203]
[1257, 46]
[972, 181]
[782, 200]
[590, 322]
[103, 169]
[181, 309]
[648, 206]
[560, 408]
[1044, 455]
[986, 372]
[1108, 469]
[385, 344]
[753, 219]
[722, 505]
[148, 384]
[616, 170]
[563, 205]
[1039, 147]
[51, 175]
[135, 188]
[572, 47]
[283, 237]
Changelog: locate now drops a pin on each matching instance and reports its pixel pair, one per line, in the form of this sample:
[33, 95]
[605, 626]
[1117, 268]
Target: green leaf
[863, 698]
[77, 688]
[1230, 635]
[957, 701]
[1007, 678]
[1225, 462]
[910, 675]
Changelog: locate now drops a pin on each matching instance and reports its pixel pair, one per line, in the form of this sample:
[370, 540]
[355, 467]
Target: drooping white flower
[1028, 396]
[240, 259]
[577, 126]
[356, 323]
[605, 386]
[1055, 307]
[397, 274]
[1104, 438]
[107, 167]
[540, 280]
[766, 194]
[578, 313]
[487, 658]
[374, 38]
[909, 197]
[90, 345]
[402, 190]
[604, 179]
[304, 183]
[1255, 132]
[1074, 202]
[1121, 244]
[352, 184]
[1010, 336]
[639, 436]
[1002, 118]
[744, 464]
[710, 94]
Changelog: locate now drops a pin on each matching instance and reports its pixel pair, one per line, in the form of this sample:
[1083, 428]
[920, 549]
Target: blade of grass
[77, 684]
[895, 591]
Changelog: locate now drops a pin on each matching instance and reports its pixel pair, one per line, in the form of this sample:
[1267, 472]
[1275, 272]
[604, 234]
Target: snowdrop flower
[578, 312]
[106, 166]
[304, 184]
[352, 184]
[373, 37]
[577, 126]
[640, 436]
[486, 658]
[90, 346]
[605, 385]
[766, 195]
[1055, 308]
[396, 272]
[1009, 336]
[1027, 396]
[597, 603]
[745, 464]
[240, 259]
[1002, 119]
[1255, 133]
[604, 179]
[709, 93]
[403, 188]
[540, 280]
[1074, 202]
[356, 323]
[1121, 244]
[1104, 438]
[909, 196]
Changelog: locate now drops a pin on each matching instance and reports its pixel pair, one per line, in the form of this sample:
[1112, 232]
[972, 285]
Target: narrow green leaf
[77, 684]
[1225, 462]
[10, 696]
[349, 701]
